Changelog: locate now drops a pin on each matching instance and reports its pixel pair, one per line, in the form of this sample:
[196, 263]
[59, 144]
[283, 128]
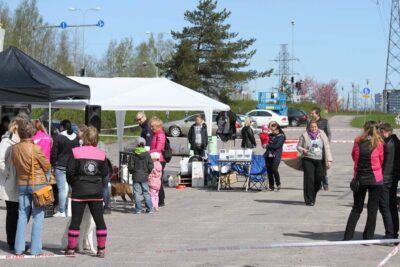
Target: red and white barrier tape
[41, 256]
[391, 254]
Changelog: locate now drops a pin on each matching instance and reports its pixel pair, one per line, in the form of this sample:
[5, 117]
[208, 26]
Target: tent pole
[49, 119]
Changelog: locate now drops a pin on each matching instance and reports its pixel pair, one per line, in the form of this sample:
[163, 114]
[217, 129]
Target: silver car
[181, 127]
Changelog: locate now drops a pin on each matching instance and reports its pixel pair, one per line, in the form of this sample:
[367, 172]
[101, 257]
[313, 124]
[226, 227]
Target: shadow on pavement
[328, 236]
[285, 202]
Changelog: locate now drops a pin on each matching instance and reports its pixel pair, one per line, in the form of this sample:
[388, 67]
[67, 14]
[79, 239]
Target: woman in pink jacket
[368, 158]
[157, 145]
[43, 140]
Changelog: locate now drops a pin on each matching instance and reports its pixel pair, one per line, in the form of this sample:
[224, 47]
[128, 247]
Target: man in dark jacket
[323, 124]
[140, 165]
[391, 171]
[146, 132]
[198, 137]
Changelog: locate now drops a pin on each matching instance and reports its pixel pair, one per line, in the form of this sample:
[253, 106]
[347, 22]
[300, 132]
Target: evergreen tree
[143, 64]
[220, 56]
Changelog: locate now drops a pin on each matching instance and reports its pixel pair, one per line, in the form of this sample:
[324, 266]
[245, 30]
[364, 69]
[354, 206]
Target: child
[140, 165]
[264, 136]
[155, 179]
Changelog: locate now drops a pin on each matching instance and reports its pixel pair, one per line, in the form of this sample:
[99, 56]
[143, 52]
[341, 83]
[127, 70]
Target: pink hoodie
[44, 141]
[155, 176]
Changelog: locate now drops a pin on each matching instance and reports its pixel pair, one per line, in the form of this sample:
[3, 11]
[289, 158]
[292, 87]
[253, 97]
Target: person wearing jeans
[273, 155]
[61, 153]
[140, 165]
[26, 157]
[368, 156]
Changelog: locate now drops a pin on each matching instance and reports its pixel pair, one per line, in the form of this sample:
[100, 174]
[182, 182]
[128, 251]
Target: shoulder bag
[42, 197]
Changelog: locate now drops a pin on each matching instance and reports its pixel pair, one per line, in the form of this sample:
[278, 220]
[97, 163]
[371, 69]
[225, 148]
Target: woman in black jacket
[248, 140]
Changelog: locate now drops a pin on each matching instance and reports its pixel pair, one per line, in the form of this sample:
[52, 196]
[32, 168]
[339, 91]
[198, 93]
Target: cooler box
[290, 149]
[212, 145]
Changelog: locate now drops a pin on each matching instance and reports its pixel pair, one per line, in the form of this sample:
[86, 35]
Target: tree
[325, 94]
[63, 63]
[143, 65]
[220, 56]
[117, 61]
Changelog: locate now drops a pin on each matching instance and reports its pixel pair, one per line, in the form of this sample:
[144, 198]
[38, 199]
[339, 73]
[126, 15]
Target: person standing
[24, 155]
[5, 121]
[273, 155]
[155, 179]
[315, 149]
[157, 145]
[323, 125]
[8, 181]
[146, 132]
[42, 139]
[391, 170]
[140, 165]
[61, 153]
[85, 171]
[198, 137]
[248, 140]
[368, 157]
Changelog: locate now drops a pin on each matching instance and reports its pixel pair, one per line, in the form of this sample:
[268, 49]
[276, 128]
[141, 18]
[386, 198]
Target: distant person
[146, 132]
[323, 125]
[5, 121]
[198, 137]
[391, 172]
[85, 170]
[8, 181]
[368, 156]
[61, 153]
[248, 140]
[315, 149]
[24, 154]
[273, 155]
[140, 165]
[264, 136]
[157, 145]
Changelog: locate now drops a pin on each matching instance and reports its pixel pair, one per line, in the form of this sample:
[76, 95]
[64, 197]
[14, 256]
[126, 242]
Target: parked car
[297, 117]
[263, 116]
[181, 127]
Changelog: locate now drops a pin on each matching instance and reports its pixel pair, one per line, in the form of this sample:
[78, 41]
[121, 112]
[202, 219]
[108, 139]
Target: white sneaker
[59, 214]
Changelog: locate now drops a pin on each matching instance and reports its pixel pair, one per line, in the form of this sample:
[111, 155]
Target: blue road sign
[63, 25]
[100, 23]
[366, 91]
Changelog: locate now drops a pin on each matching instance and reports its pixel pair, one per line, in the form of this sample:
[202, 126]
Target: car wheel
[294, 123]
[175, 131]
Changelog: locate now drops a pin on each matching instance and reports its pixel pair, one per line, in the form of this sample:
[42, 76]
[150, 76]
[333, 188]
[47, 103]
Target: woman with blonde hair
[367, 154]
[157, 145]
[248, 140]
[8, 182]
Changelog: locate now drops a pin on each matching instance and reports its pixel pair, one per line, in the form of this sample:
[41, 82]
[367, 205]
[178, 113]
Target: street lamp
[150, 33]
[292, 78]
[83, 31]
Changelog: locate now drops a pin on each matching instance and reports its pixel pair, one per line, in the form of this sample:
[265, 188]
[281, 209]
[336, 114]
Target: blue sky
[336, 39]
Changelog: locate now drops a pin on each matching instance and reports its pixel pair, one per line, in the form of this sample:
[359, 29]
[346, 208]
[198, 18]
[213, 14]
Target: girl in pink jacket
[155, 179]
[42, 139]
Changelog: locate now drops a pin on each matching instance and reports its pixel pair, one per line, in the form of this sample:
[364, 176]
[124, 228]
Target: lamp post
[150, 33]
[83, 31]
[292, 78]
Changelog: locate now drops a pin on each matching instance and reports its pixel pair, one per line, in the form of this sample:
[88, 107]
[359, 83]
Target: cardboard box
[185, 166]
[198, 182]
[248, 153]
[197, 169]
[231, 154]
[223, 154]
[239, 154]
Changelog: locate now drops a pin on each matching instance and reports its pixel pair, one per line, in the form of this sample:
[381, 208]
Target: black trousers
[96, 209]
[313, 173]
[198, 151]
[11, 222]
[273, 173]
[384, 209]
[161, 193]
[374, 194]
[393, 208]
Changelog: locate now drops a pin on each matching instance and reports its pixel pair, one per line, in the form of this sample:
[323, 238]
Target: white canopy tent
[122, 94]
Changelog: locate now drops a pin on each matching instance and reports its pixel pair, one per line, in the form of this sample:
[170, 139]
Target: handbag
[44, 196]
[354, 185]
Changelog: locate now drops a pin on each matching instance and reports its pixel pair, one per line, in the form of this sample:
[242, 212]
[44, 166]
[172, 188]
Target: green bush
[360, 120]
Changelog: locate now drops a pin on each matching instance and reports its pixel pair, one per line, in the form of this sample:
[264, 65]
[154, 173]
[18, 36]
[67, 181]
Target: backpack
[222, 122]
[167, 152]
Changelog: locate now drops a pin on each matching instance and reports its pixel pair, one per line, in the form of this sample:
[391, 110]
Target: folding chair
[258, 173]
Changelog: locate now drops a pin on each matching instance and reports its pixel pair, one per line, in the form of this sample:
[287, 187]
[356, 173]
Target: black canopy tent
[25, 80]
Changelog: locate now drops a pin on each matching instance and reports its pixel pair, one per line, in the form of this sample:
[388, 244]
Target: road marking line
[391, 254]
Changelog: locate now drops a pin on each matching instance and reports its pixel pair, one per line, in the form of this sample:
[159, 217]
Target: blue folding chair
[258, 173]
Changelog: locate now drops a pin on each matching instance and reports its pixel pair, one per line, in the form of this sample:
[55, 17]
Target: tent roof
[25, 80]
[146, 94]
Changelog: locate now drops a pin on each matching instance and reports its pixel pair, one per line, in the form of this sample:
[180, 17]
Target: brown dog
[121, 189]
